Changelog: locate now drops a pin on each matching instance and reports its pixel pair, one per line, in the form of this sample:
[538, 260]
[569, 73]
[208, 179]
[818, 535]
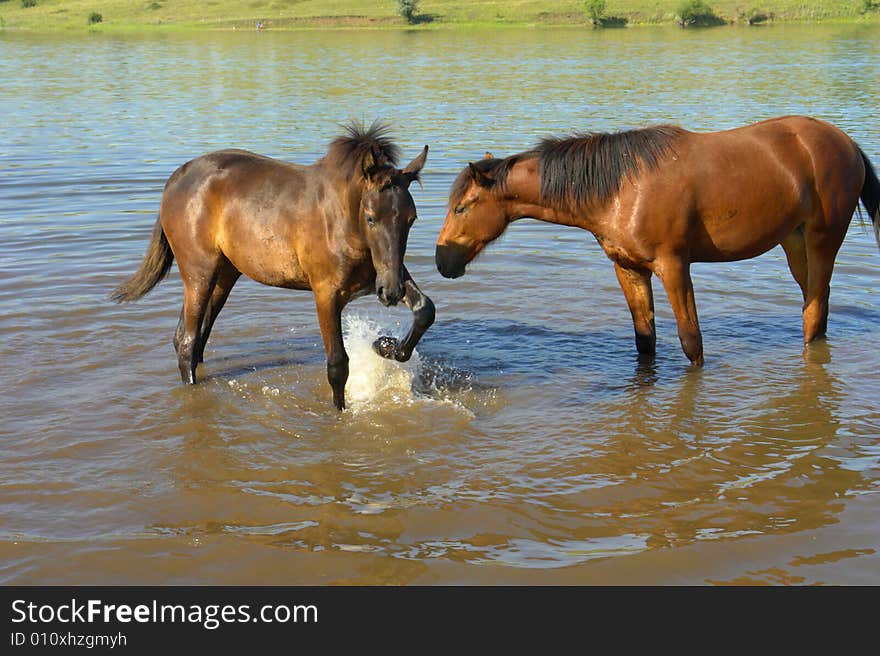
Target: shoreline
[232, 15]
[269, 27]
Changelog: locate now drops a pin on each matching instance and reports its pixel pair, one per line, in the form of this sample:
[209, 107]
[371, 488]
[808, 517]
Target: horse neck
[522, 198]
[348, 191]
[347, 187]
[352, 192]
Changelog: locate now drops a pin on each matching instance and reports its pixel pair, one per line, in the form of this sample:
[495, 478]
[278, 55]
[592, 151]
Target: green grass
[292, 14]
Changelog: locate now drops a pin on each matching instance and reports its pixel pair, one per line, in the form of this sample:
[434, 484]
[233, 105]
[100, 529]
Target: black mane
[582, 168]
[590, 167]
[348, 151]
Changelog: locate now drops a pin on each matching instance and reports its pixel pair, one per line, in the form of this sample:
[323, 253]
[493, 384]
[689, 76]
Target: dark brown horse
[338, 227]
[662, 197]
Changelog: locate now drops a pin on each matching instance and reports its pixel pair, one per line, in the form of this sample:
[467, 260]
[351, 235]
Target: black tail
[154, 267]
[871, 195]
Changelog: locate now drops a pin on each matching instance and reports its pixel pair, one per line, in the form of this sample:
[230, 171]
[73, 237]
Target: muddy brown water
[526, 443]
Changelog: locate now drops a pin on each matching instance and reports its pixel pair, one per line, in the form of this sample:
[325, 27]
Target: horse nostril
[450, 260]
[390, 295]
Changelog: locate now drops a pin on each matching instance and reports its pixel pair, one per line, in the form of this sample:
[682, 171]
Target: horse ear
[480, 177]
[368, 163]
[372, 163]
[411, 172]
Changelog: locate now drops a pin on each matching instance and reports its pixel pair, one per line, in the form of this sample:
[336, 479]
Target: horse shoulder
[631, 225]
[328, 243]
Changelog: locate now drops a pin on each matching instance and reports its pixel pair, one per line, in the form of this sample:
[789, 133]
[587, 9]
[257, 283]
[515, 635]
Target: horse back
[739, 192]
[812, 150]
[259, 213]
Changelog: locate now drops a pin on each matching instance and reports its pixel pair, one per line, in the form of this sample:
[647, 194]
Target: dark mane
[497, 169]
[590, 167]
[347, 152]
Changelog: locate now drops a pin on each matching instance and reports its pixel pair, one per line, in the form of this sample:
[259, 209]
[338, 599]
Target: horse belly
[752, 210]
[264, 252]
[273, 262]
[727, 239]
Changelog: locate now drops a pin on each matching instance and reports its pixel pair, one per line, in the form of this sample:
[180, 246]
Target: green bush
[408, 9]
[696, 13]
[870, 5]
[596, 11]
[28, 3]
[757, 16]
[95, 17]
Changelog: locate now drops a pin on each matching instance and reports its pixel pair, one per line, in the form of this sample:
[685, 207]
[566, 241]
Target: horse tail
[871, 195]
[154, 267]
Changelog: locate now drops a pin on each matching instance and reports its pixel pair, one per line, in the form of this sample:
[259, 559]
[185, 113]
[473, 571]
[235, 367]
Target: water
[525, 442]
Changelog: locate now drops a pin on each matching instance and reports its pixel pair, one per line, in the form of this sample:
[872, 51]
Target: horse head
[476, 215]
[387, 211]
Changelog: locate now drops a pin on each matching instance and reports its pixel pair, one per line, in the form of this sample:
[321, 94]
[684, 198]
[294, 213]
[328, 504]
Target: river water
[525, 443]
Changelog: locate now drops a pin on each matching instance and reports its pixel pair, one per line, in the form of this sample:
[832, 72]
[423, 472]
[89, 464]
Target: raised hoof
[386, 347]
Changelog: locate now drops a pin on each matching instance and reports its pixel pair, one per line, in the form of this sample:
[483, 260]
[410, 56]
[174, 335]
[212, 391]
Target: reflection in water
[685, 459]
[527, 441]
[645, 373]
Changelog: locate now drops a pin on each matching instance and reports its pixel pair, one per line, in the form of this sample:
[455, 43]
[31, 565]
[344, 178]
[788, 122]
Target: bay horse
[337, 227]
[662, 197]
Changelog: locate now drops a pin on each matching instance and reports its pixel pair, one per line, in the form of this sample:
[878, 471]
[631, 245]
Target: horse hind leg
[824, 233]
[226, 279]
[188, 334]
[178, 333]
[837, 189]
[795, 248]
[821, 249]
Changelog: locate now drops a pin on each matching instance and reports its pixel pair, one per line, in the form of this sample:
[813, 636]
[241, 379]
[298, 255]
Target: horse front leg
[636, 286]
[423, 316]
[676, 277]
[329, 306]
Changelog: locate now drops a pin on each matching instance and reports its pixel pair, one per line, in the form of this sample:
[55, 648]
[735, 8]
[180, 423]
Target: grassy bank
[292, 14]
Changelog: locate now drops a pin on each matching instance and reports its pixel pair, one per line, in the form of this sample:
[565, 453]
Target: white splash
[370, 375]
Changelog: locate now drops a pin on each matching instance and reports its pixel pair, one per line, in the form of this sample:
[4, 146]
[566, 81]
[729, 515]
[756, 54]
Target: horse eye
[459, 209]
[371, 220]
[413, 219]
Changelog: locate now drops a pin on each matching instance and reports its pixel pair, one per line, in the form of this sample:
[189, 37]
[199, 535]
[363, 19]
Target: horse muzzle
[390, 294]
[451, 259]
